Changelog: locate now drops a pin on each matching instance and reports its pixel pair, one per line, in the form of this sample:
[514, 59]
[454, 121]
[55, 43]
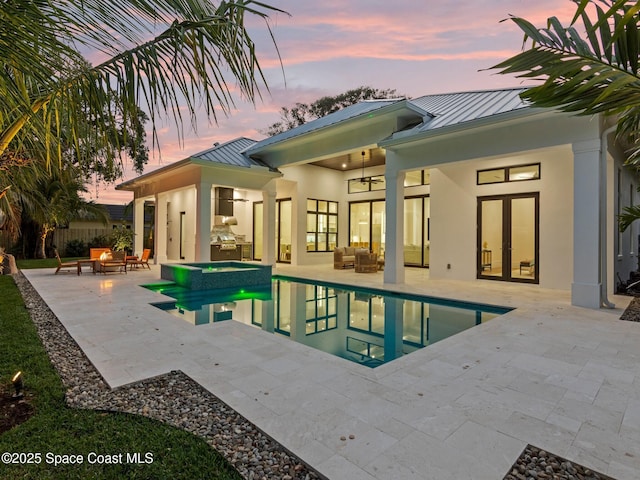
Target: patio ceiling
[353, 160]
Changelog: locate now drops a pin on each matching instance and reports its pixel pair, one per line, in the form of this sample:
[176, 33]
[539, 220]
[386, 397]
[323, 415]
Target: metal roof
[230, 153]
[341, 115]
[456, 108]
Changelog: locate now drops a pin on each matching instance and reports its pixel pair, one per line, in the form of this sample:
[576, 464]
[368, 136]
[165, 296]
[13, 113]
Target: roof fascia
[256, 170]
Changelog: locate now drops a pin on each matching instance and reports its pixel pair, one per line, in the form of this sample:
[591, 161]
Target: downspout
[604, 300]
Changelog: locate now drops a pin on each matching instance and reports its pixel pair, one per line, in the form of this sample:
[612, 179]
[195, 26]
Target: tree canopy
[163, 56]
[301, 113]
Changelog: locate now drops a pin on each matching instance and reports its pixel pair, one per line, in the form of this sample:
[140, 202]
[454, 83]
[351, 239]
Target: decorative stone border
[173, 398]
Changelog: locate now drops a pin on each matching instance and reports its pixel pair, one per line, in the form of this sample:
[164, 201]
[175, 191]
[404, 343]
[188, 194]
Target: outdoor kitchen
[225, 244]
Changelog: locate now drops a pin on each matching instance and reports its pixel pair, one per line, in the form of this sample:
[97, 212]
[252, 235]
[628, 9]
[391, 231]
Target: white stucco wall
[321, 184]
[454, 195]
[182, 200]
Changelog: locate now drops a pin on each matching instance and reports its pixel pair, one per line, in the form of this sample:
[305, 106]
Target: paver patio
[562, 378]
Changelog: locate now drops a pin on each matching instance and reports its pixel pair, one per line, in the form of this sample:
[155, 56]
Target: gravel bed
[632, 312]
[173, 398]
[535, 463]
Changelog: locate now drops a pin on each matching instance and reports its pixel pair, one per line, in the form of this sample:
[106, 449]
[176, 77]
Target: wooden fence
[62, 236]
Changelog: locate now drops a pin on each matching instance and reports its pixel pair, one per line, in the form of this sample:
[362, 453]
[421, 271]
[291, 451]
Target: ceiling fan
[364, 179]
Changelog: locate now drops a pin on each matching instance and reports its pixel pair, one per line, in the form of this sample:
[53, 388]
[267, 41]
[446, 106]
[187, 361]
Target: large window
[322, 225]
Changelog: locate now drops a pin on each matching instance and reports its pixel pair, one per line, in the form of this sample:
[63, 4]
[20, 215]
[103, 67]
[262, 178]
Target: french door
[508, 237]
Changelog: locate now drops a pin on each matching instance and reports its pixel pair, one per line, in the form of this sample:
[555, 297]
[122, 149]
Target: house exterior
[475, 186]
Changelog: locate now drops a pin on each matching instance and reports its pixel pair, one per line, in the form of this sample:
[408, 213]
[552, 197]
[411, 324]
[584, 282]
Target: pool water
[366, 326]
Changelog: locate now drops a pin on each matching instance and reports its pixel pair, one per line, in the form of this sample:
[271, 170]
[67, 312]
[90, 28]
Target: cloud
[331, 46]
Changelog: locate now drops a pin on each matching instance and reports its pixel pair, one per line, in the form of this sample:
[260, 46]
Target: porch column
[585, 289]
[203, 222]
[160, 237]
[269, 226]
[394, 220]
[138, 225]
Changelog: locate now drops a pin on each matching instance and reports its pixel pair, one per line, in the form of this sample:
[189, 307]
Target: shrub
[100, 241]
[76, 248]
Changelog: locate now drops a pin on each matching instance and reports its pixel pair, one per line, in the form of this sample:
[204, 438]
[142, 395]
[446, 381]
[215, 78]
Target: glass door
[508, 236]
[416, 231]
[257, 230]
[283, 230]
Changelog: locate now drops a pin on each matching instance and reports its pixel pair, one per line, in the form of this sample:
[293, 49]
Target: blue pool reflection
[369, 327]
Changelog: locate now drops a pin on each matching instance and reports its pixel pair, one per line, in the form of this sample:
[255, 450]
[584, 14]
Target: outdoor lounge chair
[143, 260]
[65, 265]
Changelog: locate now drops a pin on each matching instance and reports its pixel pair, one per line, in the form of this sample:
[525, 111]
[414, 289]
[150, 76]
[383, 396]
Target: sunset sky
[328, 47]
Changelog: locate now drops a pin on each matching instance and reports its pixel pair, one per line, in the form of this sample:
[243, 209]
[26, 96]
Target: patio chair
[366, 262]
[65, 265]
[143, 260]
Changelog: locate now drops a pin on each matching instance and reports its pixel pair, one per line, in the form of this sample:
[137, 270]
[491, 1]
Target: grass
[43, 262]
[56, 429]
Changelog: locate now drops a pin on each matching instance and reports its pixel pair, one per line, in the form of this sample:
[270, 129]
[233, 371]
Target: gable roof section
[344, 114]
[462, 110]
[230, 153]
[455, 108]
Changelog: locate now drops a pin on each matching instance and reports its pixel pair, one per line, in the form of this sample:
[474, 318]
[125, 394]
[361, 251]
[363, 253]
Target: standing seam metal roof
[456, 108]
[230, 153]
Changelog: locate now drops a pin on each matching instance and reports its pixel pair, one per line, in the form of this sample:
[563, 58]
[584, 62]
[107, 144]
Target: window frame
[328, 214]
[506, 171]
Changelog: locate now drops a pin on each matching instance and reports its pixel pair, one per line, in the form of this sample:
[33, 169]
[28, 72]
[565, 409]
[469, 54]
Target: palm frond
[203, 55]
[590, 73]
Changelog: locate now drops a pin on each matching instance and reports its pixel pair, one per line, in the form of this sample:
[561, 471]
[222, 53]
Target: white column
[160, 238]
[203, 222]
[269, 226]
[138, 226]
[585, 289]
[394, 218]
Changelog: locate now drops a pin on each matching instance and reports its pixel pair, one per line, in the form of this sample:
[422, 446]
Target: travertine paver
[559, 377]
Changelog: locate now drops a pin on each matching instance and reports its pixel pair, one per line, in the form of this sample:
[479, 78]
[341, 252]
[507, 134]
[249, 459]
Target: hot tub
[212, 275]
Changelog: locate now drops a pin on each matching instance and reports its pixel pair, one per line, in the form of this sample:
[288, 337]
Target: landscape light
[18, 384]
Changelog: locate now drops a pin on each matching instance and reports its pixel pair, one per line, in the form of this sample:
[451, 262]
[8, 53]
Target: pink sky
[329, 47]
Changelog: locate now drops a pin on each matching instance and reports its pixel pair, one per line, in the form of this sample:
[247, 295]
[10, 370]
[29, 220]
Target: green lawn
[56, 429]
[43, 262]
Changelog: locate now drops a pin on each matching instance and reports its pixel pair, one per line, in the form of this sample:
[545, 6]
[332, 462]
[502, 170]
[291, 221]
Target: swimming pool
[366, 326]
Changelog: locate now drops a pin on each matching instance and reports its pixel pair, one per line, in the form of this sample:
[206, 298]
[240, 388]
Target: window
[367, 184]
[416, 178]
[517, 173]
[322, 225]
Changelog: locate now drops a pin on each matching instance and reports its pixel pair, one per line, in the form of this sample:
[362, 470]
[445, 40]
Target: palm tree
[50, 199]
[589, 67]
[160, 55]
